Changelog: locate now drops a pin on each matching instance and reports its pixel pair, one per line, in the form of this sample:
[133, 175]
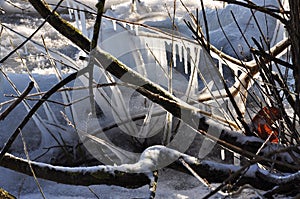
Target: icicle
[136, 28]
[76, 14]
[124, 24]
[25, 49]
[193, 56]
[150, 43]
[221, 66]
[180, 47]
[155, 48]
[144, 44]
[174, 54]
[131, 26]
[162, 52]
[222, 154]
[82, 19]
[236, 159]
[69, 9]
[162, 68]
[185, 56]
[114, 23]
[193, 80]
[197, 51]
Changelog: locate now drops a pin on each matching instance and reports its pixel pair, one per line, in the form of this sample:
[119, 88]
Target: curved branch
[77, 175]
[137, 174]
[18, 100]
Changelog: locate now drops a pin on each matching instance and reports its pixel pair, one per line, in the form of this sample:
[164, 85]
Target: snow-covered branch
[139, 174]
[108, 175]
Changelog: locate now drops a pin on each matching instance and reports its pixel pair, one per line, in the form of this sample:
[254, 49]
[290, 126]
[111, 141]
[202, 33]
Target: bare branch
[253, 6]
[17, 101]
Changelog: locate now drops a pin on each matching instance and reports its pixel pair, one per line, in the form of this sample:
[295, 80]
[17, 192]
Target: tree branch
[136, 175]
[253, 6]
[17, 101]
[77, 175]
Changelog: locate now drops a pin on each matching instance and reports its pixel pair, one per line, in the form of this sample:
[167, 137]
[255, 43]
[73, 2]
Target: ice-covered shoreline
[169, 188]
[152, 14]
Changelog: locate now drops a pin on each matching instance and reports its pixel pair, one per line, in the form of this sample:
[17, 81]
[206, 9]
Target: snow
[153, 158]
[174, 185]
[149, 12]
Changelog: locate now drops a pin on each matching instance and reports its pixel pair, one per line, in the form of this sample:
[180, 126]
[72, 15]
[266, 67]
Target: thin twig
[253, 6]
[51, 101]
[205, 25]
[93, 192]
[61, 90]
[31, 169]
[17, 101]
[94, 43]
[202, 180]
